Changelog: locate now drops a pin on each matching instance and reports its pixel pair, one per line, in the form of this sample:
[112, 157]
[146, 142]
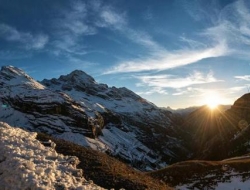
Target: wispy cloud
[232, 27]
[243, 77]
[70, 27]
[188, 90]
[148, 14]
[168, 60]
[83, 19]
[226, 95]
[74, 20]
[153, 90]
[110, 18]
[201, 10]
[194, 44]
[88, 18]
[26, 39]
[228, 34]
[159, 83]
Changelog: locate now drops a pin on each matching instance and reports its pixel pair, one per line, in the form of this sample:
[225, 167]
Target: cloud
[176, 82]
[30, 41]
[201, 10]
[153, 90]
[188, 90]
[232, 27]
[74, 20]
[110, 17]
[237, 89]
[228, 35]
[70, 27]
[83, 19]
[164, 60]
[193, 43]
[243, 77]
[148, 14]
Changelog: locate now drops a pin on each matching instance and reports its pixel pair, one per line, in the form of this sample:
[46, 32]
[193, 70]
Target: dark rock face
[76, 108]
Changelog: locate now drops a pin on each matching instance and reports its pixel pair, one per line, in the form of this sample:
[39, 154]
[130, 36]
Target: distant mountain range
[119, 122]
[186, 111]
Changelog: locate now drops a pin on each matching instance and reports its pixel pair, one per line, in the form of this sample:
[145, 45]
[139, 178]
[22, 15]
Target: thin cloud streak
[110, 18]
[153, 90]
[88, 18]
[229, 36]
[167, 60]
[70, 28]
[232, 27]
[243, 77]
[29, 40]
[175, 82]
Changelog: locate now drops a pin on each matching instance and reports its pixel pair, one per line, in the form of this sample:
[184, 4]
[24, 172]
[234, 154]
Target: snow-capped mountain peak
[78, 76]
[12, 71]
[77, 108]
[12, 76]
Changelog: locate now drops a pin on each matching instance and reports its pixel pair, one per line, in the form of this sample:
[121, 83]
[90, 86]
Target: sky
[176, 53]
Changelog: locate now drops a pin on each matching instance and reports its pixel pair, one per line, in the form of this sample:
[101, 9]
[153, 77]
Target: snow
[236, 183]
[84, 99]
[232, 180]
[27, 164]
[20, 77]
[83, 141]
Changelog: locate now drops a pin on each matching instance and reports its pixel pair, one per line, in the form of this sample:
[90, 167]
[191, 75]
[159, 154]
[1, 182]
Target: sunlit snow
[27, 164]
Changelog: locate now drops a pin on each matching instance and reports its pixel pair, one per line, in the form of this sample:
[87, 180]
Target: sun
[212, 99]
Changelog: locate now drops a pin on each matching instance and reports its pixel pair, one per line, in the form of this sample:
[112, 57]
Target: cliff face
[75, 107]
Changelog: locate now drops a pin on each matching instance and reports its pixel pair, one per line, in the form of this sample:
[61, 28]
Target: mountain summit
[76, 108]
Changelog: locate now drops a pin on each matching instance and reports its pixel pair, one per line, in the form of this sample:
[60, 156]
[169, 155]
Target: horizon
[177, 53]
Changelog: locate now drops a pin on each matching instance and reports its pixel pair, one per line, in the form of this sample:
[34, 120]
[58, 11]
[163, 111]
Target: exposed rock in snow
[27, 164]
[76, 108]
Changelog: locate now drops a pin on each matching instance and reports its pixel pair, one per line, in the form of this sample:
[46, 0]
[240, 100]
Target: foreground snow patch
[26, 164]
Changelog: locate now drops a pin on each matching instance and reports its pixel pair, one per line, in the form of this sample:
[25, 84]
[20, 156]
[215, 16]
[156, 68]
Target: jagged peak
[11, 70]
[78, 75]
[14, 76]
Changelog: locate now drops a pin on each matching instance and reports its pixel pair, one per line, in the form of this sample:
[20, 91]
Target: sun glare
[212, 100]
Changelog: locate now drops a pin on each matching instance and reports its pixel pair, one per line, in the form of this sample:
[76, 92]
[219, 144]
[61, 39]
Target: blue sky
[174, 53]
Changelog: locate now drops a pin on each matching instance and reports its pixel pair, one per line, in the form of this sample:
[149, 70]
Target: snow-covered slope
[76, 108]
[27, 164]
[215, 175]
[212, 180]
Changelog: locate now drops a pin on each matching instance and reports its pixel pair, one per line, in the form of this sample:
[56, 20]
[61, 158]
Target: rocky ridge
[75, 107]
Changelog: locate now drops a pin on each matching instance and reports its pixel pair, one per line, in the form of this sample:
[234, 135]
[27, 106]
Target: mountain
[103, 169]
[76, 108]
[220, 133]
[118, 122]
[182, 111]
[28, 163]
